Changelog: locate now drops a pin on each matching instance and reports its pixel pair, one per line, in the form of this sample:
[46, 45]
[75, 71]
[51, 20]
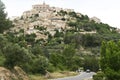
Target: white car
[88, 70]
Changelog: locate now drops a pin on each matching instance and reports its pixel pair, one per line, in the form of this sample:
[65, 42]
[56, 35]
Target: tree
[15, 55]
[4, 22]
[3, 41]
[57, 60]
[110, 60]
[91, 62]
[76, 63]
[69, 53]
[36, 50]
[30, 38]
[73, 14]
[40, 65]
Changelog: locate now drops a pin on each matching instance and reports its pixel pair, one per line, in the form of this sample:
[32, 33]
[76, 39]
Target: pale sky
[106, 10]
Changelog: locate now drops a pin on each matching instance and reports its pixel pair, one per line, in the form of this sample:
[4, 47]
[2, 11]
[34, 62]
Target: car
[88, 70]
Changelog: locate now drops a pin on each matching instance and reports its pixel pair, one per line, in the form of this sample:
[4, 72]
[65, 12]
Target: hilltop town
[46, 40]
[45, 16]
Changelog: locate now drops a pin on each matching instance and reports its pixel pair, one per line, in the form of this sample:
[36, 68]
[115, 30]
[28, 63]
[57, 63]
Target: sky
[108, 11]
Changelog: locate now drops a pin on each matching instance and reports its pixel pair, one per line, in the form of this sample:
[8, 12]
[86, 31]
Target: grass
[62, 74]
[53, 75]
[37, 77]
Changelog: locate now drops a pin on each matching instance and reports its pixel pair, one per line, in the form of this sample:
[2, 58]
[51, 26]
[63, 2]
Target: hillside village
[46, 40]
[47, 17]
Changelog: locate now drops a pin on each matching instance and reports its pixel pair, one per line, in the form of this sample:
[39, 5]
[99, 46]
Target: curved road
[82, 76]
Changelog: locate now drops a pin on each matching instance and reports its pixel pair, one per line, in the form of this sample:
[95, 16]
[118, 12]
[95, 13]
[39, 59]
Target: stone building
[27, 14]
[41, 7]
[97, 20]
[42, 15]
[43, 10]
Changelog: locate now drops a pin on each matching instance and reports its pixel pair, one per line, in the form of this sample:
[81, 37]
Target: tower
[44, 2]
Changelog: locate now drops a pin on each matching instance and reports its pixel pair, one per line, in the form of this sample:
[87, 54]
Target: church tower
[44, 2]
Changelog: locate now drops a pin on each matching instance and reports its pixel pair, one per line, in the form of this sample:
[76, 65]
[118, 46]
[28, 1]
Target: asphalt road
[82, 76]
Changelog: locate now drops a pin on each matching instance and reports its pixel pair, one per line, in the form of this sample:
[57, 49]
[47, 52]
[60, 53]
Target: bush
[15, 56]
[2, 60]
[91, 62]
[39, 65]
[74, 67]
[112, 75]
[99, 76]
[51, 68]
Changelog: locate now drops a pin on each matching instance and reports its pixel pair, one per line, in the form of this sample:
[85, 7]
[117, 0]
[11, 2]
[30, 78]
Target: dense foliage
[110, 60]
[4, 22]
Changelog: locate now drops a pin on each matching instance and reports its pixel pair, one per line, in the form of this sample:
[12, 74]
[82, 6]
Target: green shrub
[2, 60]
[51, 68]
[112, 75]
[99, 76]
[39, 65]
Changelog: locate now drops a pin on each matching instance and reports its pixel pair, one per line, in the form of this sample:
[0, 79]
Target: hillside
[43, 20]
[52, 25]
[54, 39]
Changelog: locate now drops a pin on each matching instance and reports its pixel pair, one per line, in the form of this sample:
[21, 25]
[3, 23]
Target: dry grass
[53, 75]
[62, 74]
[37, 77]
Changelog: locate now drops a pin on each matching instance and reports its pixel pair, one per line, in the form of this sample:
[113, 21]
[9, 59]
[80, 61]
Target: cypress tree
[4, 22]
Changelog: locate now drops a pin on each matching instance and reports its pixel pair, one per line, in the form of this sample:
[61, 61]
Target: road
[82, 76]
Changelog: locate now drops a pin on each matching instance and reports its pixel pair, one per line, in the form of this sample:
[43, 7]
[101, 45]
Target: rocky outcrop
[6, 74]
[16, 74]
[21, 75]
